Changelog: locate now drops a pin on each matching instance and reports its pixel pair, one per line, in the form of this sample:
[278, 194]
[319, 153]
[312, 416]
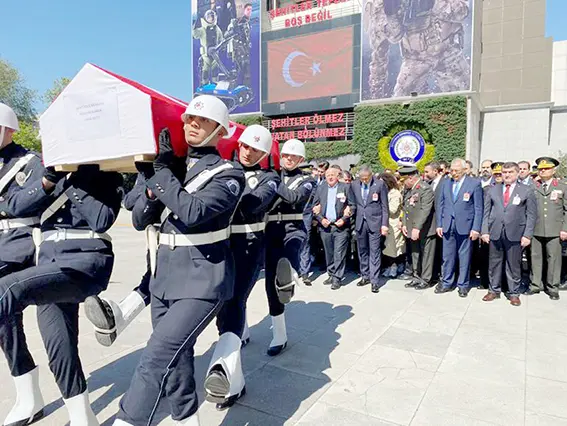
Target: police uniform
[418, 214]
[194, 275]
[225, 380]
[551, 199]
[74, 260]
[285, 234]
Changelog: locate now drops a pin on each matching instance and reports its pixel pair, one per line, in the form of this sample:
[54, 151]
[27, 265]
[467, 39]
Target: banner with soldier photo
[414, 47]
[226, 52]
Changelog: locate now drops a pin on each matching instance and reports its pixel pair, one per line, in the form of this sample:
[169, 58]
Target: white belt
[190, 240]
[284, 217]
[73, 234]
[62, 235]
[7, 224]
[248, 228]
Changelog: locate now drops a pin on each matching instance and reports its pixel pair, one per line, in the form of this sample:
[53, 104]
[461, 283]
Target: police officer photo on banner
[226, 52]
[414, 47]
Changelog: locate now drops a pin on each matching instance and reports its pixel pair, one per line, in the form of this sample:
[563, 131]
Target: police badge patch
[233, 186]
[273, 185]
[21, 178]
[253, 182]
[309, 186]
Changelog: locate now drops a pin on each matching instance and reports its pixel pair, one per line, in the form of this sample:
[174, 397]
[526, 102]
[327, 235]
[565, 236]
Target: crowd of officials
[503, 229]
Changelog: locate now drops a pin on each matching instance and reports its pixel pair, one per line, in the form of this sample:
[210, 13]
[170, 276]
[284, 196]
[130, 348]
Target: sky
[147, 41]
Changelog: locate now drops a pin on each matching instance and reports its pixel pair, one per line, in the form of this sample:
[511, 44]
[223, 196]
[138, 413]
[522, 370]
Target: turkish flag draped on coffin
[310, 66]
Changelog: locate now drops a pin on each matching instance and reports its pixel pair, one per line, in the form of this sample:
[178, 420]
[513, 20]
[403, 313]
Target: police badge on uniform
[233, 186]
[253, 182]
[21, 178]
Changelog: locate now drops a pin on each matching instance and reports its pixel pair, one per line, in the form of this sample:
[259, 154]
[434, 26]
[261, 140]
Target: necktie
[507, 195]
[365, 192]
[545, 187]
[455, 190]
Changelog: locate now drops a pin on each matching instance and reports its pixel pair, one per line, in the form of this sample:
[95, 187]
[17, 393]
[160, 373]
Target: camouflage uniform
[431, 38]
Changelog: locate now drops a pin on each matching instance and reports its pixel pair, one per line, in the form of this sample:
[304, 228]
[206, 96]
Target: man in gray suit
[510, 214]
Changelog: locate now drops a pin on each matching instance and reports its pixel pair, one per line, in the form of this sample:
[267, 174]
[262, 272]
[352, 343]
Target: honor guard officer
[194, 271]
[417, 225]
[108, 317]
[17, 166]
[74, 259]
[550, 228]
[225, 381]
[285, 234]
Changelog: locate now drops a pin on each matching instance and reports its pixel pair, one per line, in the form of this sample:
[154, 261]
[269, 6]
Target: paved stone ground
[400, 357]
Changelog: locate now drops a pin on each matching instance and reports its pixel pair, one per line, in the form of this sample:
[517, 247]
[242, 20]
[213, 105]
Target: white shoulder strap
[56, 205]
[198, 182]
[295, 184]
[20, 164]
[206, 176]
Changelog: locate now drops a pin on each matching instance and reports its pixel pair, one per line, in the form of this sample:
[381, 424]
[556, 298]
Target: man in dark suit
[459, 218]
[371, 198]
[510, 214]
[331, 199]
[434, 176]
[417, 224]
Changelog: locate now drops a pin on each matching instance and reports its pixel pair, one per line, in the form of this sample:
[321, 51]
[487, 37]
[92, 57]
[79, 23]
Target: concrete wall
[559, 73]
[558, 134]
[516, 55]
[473, 131]
[515, 135]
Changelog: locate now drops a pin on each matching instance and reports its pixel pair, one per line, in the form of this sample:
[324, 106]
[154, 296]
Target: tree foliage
[13, 92]
[58, 86]
[28, 137]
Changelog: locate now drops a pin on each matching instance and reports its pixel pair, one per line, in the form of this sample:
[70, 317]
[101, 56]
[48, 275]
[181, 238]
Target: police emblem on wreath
[21, 178]
[253, 182]
[407, 146]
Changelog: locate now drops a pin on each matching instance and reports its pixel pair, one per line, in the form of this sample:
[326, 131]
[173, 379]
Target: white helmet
[210, 107]
[294, 147]
[8, 117]
[258, 137]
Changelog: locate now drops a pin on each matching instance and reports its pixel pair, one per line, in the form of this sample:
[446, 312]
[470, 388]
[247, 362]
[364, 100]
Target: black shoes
[375, 288]
[531, 292]
[463, 292]
[328, 281]
[424, 285]
[306, 280]
[363, 282]
[440, 289]
[414, 283]
[335, 285]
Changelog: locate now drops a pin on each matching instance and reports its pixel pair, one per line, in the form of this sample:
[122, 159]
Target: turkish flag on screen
[310, 66]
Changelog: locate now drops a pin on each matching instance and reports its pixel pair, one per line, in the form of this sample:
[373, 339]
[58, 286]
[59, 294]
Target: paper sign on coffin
[104, 118]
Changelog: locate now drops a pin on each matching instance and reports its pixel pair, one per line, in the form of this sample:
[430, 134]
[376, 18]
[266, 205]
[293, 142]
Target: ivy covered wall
[441, 121]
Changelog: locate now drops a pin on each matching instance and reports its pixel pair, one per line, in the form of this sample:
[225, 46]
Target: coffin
[106, 119]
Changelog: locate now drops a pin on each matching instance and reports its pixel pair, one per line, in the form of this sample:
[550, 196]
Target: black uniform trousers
[483, 259]
[335, 242]
[507, 253]
[369, 253]
[167, 363]
[423, 257]
[546, 251]
[57, 294]
[281, 243]
[248, 252]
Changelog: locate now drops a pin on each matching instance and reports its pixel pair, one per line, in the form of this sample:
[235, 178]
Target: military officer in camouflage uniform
[550, 229]
[418, 225]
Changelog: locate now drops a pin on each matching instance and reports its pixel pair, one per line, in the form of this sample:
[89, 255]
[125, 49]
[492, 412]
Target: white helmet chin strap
[2, 132]
[207, 139]
[260, 160]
